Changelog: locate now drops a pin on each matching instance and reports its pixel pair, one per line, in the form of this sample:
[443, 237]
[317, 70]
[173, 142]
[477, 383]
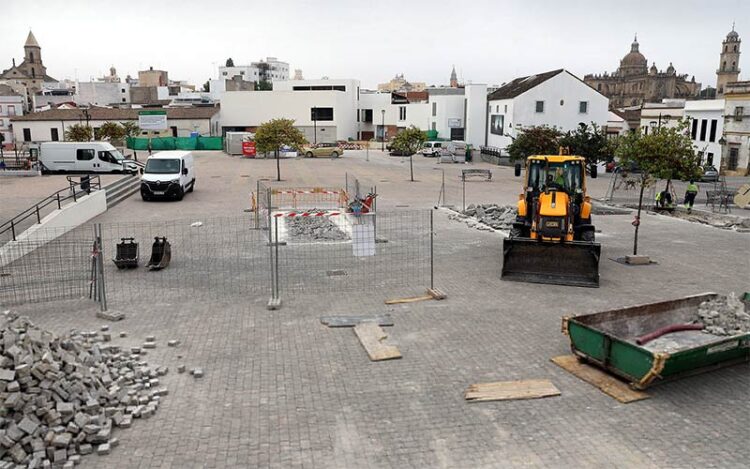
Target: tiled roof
[111, 114]
[522, 85]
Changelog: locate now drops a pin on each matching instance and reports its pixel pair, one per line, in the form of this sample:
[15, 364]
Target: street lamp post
[382, 140]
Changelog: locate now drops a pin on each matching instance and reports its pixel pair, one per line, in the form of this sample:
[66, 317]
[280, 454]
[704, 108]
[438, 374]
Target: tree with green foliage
[588, 141]
[409, 141]
[130, 129]
[535, 140]
[230, 62]
[79, 133]
[263, 85]
[274, 134]
[111, 131]
[665, 153]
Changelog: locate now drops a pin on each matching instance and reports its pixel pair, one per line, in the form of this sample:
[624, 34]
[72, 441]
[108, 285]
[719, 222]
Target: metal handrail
[94, 183]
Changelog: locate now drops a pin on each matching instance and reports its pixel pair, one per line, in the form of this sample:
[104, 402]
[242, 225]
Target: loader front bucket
[573, 263]
[161, 254]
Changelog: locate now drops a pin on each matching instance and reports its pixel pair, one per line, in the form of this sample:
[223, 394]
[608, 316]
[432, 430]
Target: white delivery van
[85, 157]
[431, 149]
[168, 174]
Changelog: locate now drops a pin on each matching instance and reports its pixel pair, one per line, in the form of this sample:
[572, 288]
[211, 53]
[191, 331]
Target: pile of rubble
[314, 229]
[487, 216]
[63, 396]
[724, 315]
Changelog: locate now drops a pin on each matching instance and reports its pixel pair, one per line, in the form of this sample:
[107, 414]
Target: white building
[271, 69]
[555, 99]
[50, 125]
[101, 93]
[388, 113]
[735, 160]
[325, 110]
[706, 121]
[667, 113]
[616, 124]
[11, 106]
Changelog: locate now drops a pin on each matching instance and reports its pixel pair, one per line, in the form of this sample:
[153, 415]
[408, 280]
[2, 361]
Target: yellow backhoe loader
[552, 239]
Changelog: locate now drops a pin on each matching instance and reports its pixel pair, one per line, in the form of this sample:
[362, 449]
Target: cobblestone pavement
[281, 390]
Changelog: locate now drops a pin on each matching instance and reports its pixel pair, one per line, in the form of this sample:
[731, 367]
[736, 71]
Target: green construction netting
[176, 143]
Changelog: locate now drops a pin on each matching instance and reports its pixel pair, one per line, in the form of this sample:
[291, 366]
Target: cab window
[561, 176]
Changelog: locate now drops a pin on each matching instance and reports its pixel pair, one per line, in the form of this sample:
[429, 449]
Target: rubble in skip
[315, 229]
[724, 316]
[63, 396]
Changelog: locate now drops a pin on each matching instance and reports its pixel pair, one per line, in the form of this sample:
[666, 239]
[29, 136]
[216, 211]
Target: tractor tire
[588, 236]
[516, 232]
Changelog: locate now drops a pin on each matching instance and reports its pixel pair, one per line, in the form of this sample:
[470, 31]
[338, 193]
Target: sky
[489, 42]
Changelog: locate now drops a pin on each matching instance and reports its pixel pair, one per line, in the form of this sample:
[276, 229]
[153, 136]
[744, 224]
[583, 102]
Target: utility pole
[382, 140]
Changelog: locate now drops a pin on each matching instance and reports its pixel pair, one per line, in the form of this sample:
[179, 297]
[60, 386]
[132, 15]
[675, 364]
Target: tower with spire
[729, 62]
[28, 77]
[454, 78]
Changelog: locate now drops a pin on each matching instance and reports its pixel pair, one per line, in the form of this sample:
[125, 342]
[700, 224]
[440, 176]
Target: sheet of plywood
[607, 383]
[511, 390]
[372, 338]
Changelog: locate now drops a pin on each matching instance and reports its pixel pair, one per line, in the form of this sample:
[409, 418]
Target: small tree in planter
[272, 135]
[666, 153]
[409, 141]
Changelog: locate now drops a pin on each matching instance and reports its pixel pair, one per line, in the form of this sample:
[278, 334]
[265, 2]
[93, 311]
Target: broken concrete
[487, 217]
[724, 316]
[314, 229]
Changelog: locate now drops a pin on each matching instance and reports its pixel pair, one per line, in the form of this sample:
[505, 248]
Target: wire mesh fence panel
[348, 253]
[460, 189]
[52, 264]
[210, 259]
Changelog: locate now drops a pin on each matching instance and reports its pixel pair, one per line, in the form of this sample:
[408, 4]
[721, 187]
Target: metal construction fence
[461, 188]
[222, 259]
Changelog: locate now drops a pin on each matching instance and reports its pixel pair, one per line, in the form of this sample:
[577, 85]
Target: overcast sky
[488, 41]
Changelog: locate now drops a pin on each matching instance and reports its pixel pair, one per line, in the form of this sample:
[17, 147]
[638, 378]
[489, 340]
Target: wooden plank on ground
[408, 300]
[607, 383]
[511, 390]
[372, 338]
[351, 321]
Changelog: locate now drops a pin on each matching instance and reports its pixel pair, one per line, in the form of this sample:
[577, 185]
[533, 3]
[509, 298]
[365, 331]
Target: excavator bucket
[573, 263]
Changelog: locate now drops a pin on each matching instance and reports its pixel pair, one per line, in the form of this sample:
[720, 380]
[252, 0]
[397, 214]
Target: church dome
[732, 36]
[634, 62]
[670, 69]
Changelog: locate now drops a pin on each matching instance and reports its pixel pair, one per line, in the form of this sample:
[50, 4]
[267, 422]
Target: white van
[168, 174]
[85, 157]
[431, 148]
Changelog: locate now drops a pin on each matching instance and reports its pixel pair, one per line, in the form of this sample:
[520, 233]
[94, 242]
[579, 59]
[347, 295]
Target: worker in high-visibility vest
[690, 194]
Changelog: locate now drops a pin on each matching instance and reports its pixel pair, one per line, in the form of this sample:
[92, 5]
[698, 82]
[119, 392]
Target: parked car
[431, 149]
[333, 150]
[168, 174]
[710, 174]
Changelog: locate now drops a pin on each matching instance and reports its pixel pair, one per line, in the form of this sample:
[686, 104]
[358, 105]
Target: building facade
[634, 83]
[735, 160]
[667, 113]
[400, 84]
[729, 62]
[271, 69]
[46, 126]
[706, 125]
[556, 99]
[30, 76]
[11, 106]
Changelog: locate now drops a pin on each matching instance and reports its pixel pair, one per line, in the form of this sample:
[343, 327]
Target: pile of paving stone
[487, 216]
[63, 395]
[724, 315]
[314, 229]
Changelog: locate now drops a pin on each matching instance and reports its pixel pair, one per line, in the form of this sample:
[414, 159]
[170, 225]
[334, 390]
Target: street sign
[152, 120]
[454, 123]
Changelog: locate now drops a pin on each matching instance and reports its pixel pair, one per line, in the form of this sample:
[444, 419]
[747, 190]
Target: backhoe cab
[552, 239]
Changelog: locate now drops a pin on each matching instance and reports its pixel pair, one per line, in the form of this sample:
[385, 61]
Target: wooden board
[372, 337]
[351, 321]
[511, 390]
[408, 300]
[607, 383]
